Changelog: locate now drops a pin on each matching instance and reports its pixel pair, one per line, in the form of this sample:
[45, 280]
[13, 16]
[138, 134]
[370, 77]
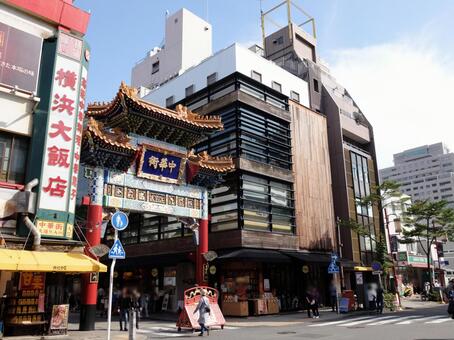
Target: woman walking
[204, 310]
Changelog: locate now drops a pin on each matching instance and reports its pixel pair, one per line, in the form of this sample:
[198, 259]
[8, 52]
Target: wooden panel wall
[315, 222]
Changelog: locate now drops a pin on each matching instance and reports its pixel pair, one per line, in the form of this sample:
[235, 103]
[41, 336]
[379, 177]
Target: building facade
[426, 173]
[44, 68]
[353, 160]
[272, 220]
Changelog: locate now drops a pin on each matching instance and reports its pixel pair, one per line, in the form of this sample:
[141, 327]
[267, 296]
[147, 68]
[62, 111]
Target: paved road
[433, 323]
[418, 324]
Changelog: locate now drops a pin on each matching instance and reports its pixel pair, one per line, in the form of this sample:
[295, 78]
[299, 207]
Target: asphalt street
[423, 324]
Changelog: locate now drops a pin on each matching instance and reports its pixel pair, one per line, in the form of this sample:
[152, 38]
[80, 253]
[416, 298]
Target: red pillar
[90, 290]
[201, 249]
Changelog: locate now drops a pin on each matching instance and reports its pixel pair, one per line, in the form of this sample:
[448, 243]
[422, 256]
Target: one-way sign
[117, 251]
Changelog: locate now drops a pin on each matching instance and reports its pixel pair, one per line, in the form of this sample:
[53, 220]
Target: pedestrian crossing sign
[117, 251]
[333, 268]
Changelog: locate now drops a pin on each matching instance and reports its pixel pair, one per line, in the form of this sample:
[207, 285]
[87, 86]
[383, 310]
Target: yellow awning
[362, 269]
[46, 261]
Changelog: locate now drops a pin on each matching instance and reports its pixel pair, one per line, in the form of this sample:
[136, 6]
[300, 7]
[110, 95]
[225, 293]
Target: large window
[217, 89]
[364, 213]
[13, 157]
[224, 205]
[251, 134]
[145, 227]
[267, 205]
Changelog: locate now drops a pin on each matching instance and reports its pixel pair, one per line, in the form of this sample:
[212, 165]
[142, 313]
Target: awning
[254, 255]
[309, 257]
[46, 261]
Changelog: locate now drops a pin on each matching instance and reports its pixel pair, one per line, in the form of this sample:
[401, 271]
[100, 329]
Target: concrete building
[43, 72]
[424, 173]
[187, 42]
[272, 220]
[351, 142]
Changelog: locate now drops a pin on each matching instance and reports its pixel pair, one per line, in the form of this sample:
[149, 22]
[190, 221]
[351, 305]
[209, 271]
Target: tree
[381, 196]
[425, 223]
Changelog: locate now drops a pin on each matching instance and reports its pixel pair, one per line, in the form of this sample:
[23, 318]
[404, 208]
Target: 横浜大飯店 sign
[161, 165]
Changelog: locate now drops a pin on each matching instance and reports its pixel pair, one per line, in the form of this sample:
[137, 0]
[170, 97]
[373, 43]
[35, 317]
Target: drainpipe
[28, 222]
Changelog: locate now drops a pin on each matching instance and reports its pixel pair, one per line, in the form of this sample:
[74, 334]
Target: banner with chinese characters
[32, 281]
[161, 165]
[129, 192]
[59, 176]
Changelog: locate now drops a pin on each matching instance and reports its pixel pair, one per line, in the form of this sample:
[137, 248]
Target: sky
[395, 57]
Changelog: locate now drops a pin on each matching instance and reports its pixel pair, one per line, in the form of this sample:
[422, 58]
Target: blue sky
[365, 42]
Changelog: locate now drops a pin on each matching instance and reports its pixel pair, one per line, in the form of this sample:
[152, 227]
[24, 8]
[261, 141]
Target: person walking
[316, 300]
[379, 300]
[203, 307]
[309, 300]
[333, 296]
[136, 306]
[124, 304]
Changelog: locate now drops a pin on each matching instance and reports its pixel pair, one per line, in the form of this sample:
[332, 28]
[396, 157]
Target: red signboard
[188, 319]
[32, 281]
[20, 56]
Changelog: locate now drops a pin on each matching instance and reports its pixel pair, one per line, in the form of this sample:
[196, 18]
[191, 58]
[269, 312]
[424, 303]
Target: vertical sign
[63, 138]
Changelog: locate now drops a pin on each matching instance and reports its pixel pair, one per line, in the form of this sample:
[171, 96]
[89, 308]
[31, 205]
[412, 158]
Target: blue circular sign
[376, 266]
[119, 220]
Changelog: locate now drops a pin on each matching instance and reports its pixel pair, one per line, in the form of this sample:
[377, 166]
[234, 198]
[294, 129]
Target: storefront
[260, 282]
[36, 288]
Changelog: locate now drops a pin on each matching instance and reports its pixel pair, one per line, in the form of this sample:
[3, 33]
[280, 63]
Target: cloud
[405, 89]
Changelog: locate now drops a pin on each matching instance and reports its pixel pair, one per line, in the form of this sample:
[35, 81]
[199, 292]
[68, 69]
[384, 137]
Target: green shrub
[390, 298]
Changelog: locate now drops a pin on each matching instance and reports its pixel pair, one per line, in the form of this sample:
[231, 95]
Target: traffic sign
[117, 251]
[119, 220]
[376, 266]
[333, 268]
[377, 272]
[334, 257]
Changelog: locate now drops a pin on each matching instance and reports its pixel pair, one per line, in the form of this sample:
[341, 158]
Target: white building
[187, 42]
[234, 58]
[425, 172]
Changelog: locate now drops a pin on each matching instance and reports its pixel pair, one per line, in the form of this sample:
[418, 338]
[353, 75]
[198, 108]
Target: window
[212, 78]
[13, 157]
[267, 205]
[364, 213]
[276, 86]
[224, 206]
[256, 76]
[189, 90]
[279, 40]
[155, 67]
[316, 88]
[295, 96]
[170, 101]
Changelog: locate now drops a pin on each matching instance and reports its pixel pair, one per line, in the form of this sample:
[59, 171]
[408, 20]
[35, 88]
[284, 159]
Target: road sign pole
[111, 278]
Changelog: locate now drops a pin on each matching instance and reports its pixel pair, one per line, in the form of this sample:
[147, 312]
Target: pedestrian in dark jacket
[451, 302]
[379, 300]
[124, 304]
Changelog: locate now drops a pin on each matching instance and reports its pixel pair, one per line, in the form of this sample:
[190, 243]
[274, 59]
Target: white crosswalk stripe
[444, 319]
[331, 323]
[397, 318]
[407, 322]
[354, 323]
[384, 320]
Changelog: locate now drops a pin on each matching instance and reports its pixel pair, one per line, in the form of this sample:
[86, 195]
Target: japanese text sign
[32, 281]
[17, 67]
[161, 165]
[63, 136]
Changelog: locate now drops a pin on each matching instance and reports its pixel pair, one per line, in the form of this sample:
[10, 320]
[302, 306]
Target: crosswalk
[170, 331]
[373, 320]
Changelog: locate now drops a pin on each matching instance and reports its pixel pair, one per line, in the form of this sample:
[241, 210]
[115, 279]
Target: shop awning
[44, 261]
[254, 255]
[309, 257]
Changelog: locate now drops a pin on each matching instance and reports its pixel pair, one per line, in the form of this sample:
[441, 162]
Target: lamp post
[387, 221]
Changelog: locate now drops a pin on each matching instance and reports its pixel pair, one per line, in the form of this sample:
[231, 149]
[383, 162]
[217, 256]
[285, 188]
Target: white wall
[188, 41]
[234, 58]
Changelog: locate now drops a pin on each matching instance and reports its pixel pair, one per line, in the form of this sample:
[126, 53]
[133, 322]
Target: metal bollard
[132, 324]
